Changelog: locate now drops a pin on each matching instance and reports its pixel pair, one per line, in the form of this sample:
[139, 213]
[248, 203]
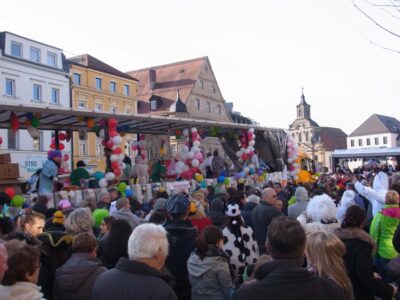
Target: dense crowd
[337, 238]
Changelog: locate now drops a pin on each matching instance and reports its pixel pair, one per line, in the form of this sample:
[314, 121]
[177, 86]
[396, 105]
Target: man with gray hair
[138, 277]
[124, 212]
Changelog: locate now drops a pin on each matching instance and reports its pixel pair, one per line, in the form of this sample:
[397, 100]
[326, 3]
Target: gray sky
[262, 52]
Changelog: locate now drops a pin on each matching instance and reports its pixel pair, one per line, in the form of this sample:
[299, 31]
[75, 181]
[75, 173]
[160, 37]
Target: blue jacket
[49, 171]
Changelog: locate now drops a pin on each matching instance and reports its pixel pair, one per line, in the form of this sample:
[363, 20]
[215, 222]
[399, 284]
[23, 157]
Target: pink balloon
[198, 156]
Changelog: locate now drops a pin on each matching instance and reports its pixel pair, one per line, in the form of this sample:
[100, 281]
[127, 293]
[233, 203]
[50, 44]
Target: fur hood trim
[355, 233]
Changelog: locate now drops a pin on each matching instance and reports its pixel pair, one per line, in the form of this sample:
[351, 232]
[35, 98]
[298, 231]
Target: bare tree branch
[380, 46]
[398, 10]
[373, 20]
[390, 14]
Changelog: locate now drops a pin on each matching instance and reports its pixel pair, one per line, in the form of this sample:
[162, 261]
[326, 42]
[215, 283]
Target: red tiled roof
[169, 78]
[333, 138]
[91, 62]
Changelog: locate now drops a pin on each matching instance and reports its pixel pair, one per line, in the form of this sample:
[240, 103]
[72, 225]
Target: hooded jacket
[301, 196]
[210, 277]
[126, 214]
[383, 228]
[375, 195]
[75, 279]
[21, 291]
[46, 183]
[216, 214]
[134, 281]
[348, 199]
[359, 265]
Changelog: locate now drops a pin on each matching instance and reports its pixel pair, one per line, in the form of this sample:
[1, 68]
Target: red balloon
[52, 146]
[62, 136]
[142, 137]
[103, 142]
[113, 133]
[10, 192]
[117, 172]
[114, 165]
[61, 146]
[244, 156]
[109, 144]
[66, 157]
[143, 156]
[117, 151]
[112, 123]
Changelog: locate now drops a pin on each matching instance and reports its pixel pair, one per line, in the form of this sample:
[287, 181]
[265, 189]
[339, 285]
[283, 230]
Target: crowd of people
[337, 238]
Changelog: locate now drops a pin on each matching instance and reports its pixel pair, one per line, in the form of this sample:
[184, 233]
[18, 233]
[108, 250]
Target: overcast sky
[262, 52]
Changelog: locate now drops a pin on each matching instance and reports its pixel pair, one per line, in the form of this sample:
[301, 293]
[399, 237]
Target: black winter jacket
[132, 280]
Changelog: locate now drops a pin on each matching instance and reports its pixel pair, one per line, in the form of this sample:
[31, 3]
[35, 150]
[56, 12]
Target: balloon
[66, 157]
[185, 148]
[198, 156]
[110, 176]
[113, 133]
[238, 154]
[10, 192]
[122, 186]
[242, 174]
[114, 165]
[90, 123]
[101, 133]
[194, 129]
[29, 116]
[196, 143]
[117, 172]
[17, 201]
[109, 144]
[251, 130]
[114, 157]
[221, 179]
[190, 155]
[142, 137]
[203, 184]
[52, 146]
[35, 123]
[117, 151]
[128, 193]
[117, 140]
[199, 177]
[103, 182]
[33, 132]
[246, 170]
[112, 123]
[61, 136]
[61, 146]
[195, 163]
[226, 180]
[252, 143]
[98, 175]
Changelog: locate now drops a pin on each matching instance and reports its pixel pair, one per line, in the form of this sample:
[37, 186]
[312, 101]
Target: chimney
[152, 78]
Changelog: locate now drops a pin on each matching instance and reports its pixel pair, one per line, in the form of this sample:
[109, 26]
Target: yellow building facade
[99, 87]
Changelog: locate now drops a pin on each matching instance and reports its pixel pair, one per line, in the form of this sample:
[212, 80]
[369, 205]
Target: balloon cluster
[190, 159]
[64, 165]
[114, 144]
[61, 137]
[140, 145]
[14, 122]
[294, 166]
[247, 142]
[16, 200]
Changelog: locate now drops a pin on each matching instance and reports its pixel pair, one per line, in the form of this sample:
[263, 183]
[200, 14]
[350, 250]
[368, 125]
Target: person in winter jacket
[208, 267]
[49, 173]
[239, 241]
[124, 212]
[75, 279]
[216, 213]
[358, 257]
[140, 276]
[251, 202]
[375, 195]
[348, 199]
[21, 277]
[301, 196]
[383, 228]
[181, 238]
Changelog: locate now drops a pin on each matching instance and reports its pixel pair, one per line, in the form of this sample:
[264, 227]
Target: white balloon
[71, 194]
[243, 150]
[103, 182]
[195, 163]
[238, 154]
[117, 140]
[182, 156]
[114, 157]
[254, 136]
[247, 151]
[195, 149]
[109, 176]
[196, 144]
[101, 133]
[251, 130]
[185, 132]
[252, 143]
[190, 155]
[194, 129]
[185, 148]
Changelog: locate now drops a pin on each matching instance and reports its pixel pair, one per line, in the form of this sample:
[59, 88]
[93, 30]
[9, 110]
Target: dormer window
[16, 49]
[153, 104]
[197, 104]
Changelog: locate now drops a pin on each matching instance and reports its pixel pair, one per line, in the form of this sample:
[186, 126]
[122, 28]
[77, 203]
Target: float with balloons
[246, 141]
[293, 159]
[140, 146]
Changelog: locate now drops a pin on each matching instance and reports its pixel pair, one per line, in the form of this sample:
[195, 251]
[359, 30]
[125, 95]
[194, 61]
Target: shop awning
[367, 152]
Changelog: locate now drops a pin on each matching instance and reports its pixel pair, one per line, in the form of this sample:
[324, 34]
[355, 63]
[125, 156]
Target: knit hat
[301, 194]
[64, 204]
[54, 153]
[58, 217]
[177, 204]
[232, 210]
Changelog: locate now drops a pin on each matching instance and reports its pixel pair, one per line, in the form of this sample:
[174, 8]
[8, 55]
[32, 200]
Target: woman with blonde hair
[324, 253]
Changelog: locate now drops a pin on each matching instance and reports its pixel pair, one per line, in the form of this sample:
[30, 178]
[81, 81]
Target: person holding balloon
[48, 176]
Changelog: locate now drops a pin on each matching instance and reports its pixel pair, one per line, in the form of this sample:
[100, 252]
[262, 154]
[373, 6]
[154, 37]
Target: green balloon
[226, 180]
[122, 187]
[96, 128]
[35, 122]
[17, 201]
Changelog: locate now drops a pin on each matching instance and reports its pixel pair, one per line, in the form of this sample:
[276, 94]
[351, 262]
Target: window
[153, 104]
[10, 87]
[300, 137]
[12, 139]
[126, 90]
[201, 84]
[99, 148]
[77, 79]
[114, 108]
[307, 137]
[34, 55]
[214, 89]
[52, 59]
[208, 106]
[113, 86]
[16, 49]
[82, 148]
[352, 143]
[82, 104]
[376, 141]
[98, 107]
[385, 140]
[359, 142]
[37, 92]
[197, 104]
[98, 83]
[368, 142]
[55, 96]
[219, 109]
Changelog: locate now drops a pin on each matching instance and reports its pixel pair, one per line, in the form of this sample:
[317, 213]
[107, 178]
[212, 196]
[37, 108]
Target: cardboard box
[9, 171]
[5, 158]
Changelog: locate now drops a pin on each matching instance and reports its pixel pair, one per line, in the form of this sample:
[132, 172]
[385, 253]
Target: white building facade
[31, 74]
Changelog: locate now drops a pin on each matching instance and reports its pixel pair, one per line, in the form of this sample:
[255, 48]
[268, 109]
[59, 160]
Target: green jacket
[78, 174]
[382, 230]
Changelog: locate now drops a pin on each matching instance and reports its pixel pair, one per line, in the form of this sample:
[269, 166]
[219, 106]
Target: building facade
[33, 74]
[198, 90]
[99, 87]
[318, 142]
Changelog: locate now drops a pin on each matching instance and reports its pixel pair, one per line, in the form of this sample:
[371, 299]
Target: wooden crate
[9, 171]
